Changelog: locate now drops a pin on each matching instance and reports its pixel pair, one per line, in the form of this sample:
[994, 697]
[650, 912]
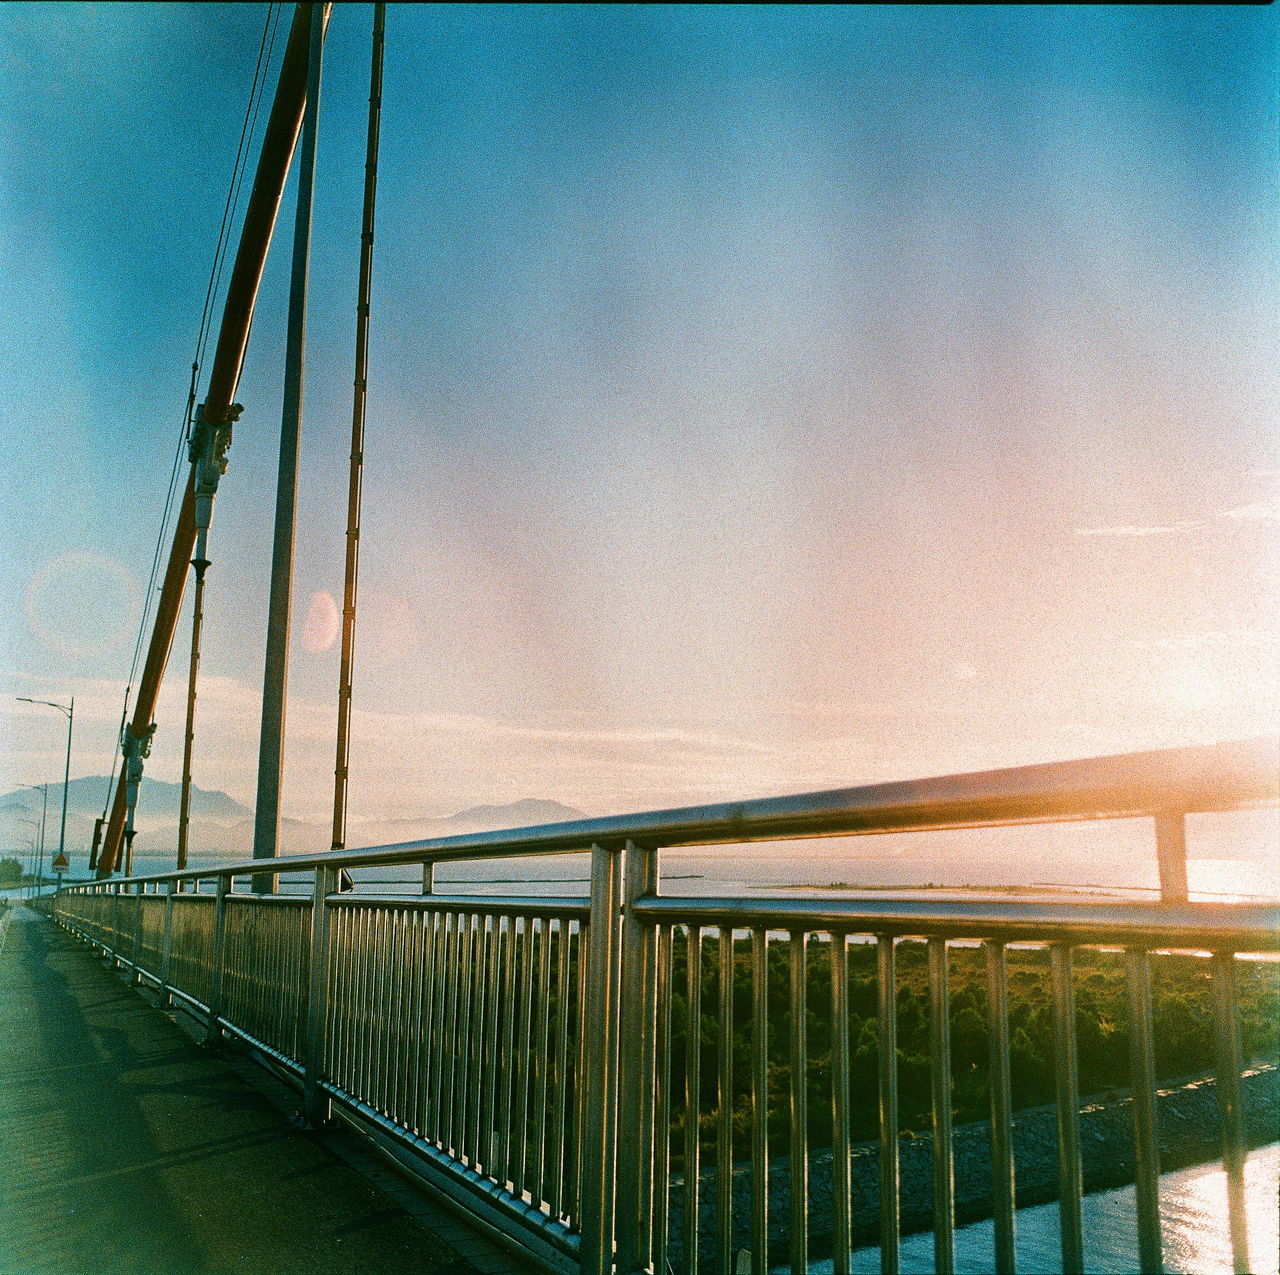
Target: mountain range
[222, 828]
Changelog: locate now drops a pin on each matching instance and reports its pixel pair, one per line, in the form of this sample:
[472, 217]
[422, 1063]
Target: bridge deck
[125, 1147]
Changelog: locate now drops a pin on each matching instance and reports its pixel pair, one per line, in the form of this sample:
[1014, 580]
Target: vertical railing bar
[341, 997]
[799, 1141]
[475, 1082]
[724, 1105]
[1226, 1021]
[408, 1040]
[760, 1099]
[637, 1035]
[498, 1059]
[1002, 1167]
[481, 1062]
[413, 1018]
[426, 1050]
[378, 1047]
[543, 1055]
[887, 1073]
[137, 934]
[1067, 1090]
[368, 1045]
[559, 1161]
[509, 994]
[316, 1102]
[443, 1037]
[523, 1059]
[462, 976]
[426, 1056]
[944, 1209]
[573, 1190]
[404, 989]
[393, 1036]
[359, 1001]
[661, 1176]
[693, 1094]
[461, 1033]
[452, 966]
[166, 946]
[841, 1184]
[379, 1000]
[385, 1045]
[434, 1056]
[217, 962]
[1145, 1138]
[600, 1019]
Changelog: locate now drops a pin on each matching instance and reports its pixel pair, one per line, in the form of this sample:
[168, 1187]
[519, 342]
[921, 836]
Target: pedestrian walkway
[127, 1148]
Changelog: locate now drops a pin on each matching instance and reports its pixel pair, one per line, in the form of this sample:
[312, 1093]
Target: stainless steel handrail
[515, 1050]
[1214, 777]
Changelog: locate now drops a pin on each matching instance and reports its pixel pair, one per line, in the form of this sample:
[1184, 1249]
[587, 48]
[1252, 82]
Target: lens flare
[82, 604]
[323, 623]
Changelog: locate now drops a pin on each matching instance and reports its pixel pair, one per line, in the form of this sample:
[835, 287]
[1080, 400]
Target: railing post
[138, 892]
[637, 1013]
[1226, 1024]
[428, 877]
[1171, 855]
[600, 1038]
[212, 1032]
[117, 940]
[166, 949]
[315, 1103]
[1146, 1137]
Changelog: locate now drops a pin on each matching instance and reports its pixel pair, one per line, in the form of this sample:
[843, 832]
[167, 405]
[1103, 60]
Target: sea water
[1193, 1213]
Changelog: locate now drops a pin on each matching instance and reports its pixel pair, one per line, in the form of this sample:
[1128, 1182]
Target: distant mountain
[526, 813]
[517, 814]
[157, 800]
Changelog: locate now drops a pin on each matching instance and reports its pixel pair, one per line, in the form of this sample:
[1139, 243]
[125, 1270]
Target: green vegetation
[1182, 1013]
[11, 873]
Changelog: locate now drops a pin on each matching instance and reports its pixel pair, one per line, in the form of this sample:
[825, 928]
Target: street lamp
[66, 776]
[43, 790]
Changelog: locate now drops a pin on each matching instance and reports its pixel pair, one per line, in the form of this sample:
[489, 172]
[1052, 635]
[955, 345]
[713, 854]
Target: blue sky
[762, 398]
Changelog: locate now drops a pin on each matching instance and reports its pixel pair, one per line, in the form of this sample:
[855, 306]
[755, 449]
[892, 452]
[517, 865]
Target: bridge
[626, 1081]
[633, 1081]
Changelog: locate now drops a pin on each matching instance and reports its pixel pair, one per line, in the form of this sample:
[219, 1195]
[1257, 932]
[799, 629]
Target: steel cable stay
[239, 165]
[214, 418]
[200, 562]
[359, 398]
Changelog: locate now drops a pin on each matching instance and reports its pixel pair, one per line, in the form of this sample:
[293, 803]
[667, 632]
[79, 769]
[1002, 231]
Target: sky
[762, 399]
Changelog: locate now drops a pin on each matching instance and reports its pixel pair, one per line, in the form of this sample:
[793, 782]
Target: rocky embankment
[1190, 1133]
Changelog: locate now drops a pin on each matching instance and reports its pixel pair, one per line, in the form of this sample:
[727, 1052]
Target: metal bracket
[208, 452]
[136, 749]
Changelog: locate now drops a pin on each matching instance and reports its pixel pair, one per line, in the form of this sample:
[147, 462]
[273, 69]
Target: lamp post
[66, 776]
[32, 823]
[43, 789]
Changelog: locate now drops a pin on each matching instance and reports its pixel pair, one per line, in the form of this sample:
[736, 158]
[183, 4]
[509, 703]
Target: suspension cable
[201, 562]
[239, 167]
[342, 764]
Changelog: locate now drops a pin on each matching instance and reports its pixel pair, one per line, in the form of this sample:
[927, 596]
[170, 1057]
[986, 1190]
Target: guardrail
[559, 1069]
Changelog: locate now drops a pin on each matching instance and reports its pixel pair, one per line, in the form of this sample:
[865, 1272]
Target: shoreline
[1189, 1123]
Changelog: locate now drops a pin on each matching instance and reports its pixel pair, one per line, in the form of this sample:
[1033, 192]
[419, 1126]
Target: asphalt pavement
[128, 1149]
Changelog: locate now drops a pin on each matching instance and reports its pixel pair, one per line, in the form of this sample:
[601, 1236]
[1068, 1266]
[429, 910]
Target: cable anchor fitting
[208, 453]
[136, 749]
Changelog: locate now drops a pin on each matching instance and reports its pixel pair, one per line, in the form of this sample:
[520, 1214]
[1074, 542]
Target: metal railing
[628, 1081]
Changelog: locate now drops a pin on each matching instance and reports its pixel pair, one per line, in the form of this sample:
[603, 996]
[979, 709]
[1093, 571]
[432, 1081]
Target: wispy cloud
[1267, 510]
[1181, 527]
[1213, 639]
